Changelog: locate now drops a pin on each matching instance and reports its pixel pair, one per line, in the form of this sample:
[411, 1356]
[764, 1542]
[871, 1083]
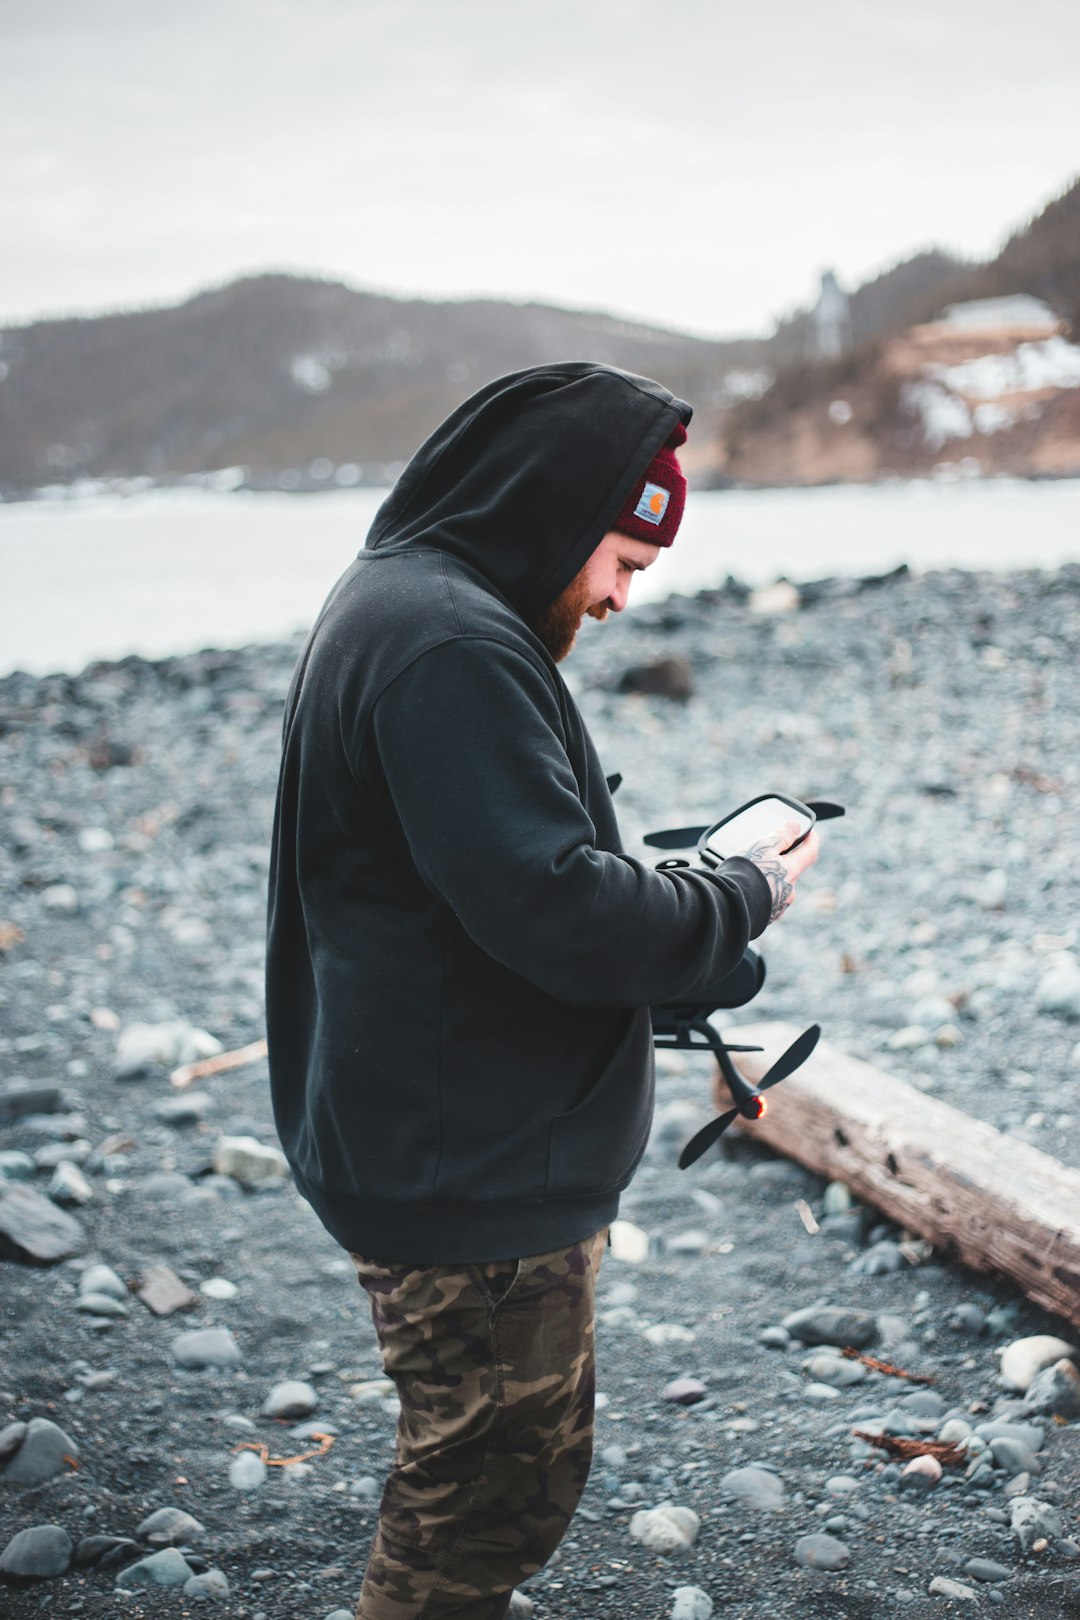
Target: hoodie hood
[525, 478]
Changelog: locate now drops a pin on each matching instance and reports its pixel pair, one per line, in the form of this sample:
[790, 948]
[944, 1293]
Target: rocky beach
[193, 1417]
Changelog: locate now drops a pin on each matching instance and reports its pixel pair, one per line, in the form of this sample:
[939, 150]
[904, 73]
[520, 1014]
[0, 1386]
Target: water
[172, 571]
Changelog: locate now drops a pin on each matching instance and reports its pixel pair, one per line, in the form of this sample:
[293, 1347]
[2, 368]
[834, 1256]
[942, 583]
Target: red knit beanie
[653, 510]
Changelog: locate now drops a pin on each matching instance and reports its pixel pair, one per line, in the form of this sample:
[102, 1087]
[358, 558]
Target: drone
[686, 1025]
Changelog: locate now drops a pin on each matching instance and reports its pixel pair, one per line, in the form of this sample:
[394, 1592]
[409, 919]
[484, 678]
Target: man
[461, 959]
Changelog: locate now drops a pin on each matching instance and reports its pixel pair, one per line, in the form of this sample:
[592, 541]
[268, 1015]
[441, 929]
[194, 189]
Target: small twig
[806, 1215]
[325, 1442]
[885, 1367]
[947, 1453]
[188, 1072]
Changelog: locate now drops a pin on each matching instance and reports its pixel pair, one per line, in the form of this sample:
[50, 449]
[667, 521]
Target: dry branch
[217, 1064]
[988, 1200]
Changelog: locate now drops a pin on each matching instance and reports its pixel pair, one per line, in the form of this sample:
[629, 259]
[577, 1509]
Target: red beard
[558, 624]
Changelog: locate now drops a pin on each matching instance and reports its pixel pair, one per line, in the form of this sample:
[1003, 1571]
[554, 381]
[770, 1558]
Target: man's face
[601, 587]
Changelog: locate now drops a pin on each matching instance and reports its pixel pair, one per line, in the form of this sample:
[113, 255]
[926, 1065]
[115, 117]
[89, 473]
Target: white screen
[750, 826]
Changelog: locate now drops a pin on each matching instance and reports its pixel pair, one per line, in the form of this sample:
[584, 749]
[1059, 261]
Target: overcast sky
[695, 165]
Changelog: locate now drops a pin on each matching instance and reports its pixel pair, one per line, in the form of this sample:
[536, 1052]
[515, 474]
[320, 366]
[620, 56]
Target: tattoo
[776, 875]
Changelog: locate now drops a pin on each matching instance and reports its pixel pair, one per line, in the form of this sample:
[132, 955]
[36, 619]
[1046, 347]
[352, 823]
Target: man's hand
[782, 871]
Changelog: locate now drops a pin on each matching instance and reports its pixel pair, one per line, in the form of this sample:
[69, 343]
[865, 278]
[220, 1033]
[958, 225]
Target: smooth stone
[1014, 1457]
[57, 1153]
[35, 1228]
[1031, 1435]
[832, 1370]
[832, 1324]
[250, 1162]
[206, 1347]
[141, 1046]
[218, 1288]
[692, 1242]
[924, 1403]
[164, 1186]
[166, 1568]
[614, 1457]
[92, 1549]
[1055, 1391]
[102, 1305]
[61, 898]
[69, 1186]
[921, 1473]
[968, 1319]
[955, 1431]
[247, 1472]
[665, 1529]
[755, 1488]
[186, 1108]
[841, 1485]
[291, 1399]
[837, 1198]
[170, 1526]
[821, 1392]
[774, 1338]
[11, 1438]
[101, 1279]
[1024, 1358]
[18, 1101]
[44, 1454]
[521, 1607]
[882, 1260]
[1059, 988]
[985, 1569]
[16, 1166]
[822, 1551]
[37, 1554]
[628, 1242]
[1032, 1520]
[691, 1603]
[943, 1586]
[211, 1586]
[685, 1391]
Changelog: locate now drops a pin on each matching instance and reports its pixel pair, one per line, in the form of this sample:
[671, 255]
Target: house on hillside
[1019, 312]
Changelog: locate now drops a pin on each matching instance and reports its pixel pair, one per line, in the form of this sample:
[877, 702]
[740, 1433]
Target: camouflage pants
[495, 1372]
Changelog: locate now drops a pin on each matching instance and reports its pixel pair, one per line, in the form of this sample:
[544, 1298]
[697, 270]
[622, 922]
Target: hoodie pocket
[595, 1147]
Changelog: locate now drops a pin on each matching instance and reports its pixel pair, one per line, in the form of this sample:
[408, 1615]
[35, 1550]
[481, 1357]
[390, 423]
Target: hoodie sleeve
[470, 743]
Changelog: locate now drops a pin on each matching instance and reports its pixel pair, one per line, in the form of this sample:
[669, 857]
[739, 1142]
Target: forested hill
[299, 380]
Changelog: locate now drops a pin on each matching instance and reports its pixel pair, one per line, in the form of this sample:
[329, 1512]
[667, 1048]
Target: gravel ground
[936, 938]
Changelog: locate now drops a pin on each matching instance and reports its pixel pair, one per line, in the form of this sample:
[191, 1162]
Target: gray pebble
[38, 1553]
[1014, 1457]
[943, 1586]
[829, 1369]
[11, 1438]
[170, 1526]
[685, 1391]
[210, 1586]
[775, 1338]
[1055, 1391]
[247, 1471]
[102, 1305]
[206, 1347]
[691, 1603]
[166, 1568]
[69, 1186]
[43, 1454]
[1032, 1520]
[985, 1569]
[293, 1398]
[755, 1488]
[832, 1324]
[102, 1280]
[822, 1551]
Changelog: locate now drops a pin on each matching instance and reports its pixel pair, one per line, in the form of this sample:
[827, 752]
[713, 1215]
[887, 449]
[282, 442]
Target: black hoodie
[460, 957]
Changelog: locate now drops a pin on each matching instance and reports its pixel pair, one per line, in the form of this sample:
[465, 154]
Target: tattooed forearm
[775, 873]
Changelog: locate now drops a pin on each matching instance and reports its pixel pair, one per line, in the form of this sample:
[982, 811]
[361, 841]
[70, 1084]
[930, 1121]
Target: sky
[696, 166]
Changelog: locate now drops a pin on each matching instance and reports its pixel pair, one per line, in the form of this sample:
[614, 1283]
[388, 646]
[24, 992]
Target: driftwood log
[992, 1202]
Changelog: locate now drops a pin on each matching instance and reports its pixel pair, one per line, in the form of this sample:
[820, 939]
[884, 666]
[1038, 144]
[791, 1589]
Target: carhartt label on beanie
[653, 510]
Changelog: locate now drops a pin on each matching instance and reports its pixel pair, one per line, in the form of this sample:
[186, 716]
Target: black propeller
[795, 1056]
